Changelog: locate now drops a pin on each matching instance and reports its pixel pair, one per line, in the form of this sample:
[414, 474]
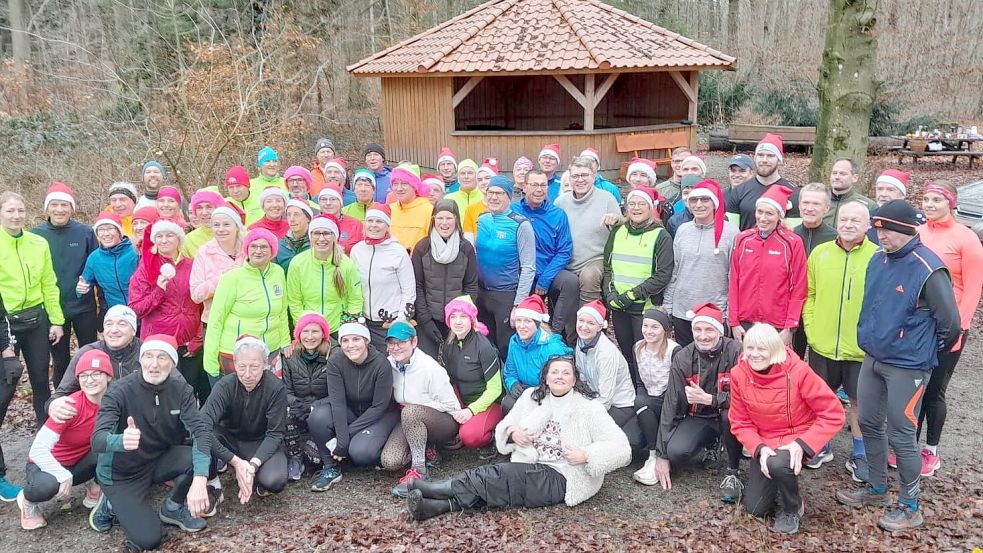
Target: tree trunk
[733, 19]
[847, 86]
[20, 40]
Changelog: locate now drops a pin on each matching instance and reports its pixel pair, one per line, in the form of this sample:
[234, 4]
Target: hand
[245, 476]
[131, 436]
[62, 409]
[786, 335]
[338, 458]
[738, 332]
[287, 351]
[516, 390]
[162, 281]
[611, 219]
[462, 416]
[696, 396]
[766, 452]
[574, 456]
[9, 352]
[795, 456]
[82, 288]
[520, 437]
[55, 334]
[662, 469]
[512, 317]
[65, 489]
[198, 496]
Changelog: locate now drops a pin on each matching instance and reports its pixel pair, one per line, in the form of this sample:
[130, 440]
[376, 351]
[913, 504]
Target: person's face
[297, 221]
[525, 328]
[374, 160]
[122, 205]
[652, 331]
[496, 200]
[156, 366]
[375, 228]
[334, 175]
[436, 193]
[852, 223]
[690, 168]
[323, 243]
[259, 253]
[460, 324]
[355, 348]
[935, 206]
[582, 179]
[152, 179]
[60, 212]
[757, 356]
[638, 178]
[167, 243]
[223, 228]
[701, 207]
[536, 190]
[238, 192]
[446, 169]
[93, 383]
[364, 192]
[587, 327]
[250, 364]
[117, 333]
[677, 162]
[445, 224]
[565, 184]
[766, 218]
[311, 337]
[204, 214]
[884, 193]
[638, 210]
[468, 178]
[297, 187]
[739, 175]
[108, 235]
[706, 336]
[401, 350]
[483, 179]
[273, 207]
[766, 163]
[328, 204]
[548, 164]
[325, 155]
[519, 173]
[841, 177]
[270, 168]
[560, 377]
[403, 191]
[168, 207]
[812, 208]
[892, 240]
[139, 225]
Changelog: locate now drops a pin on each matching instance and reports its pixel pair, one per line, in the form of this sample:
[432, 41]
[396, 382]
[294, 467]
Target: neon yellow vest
[631, 258]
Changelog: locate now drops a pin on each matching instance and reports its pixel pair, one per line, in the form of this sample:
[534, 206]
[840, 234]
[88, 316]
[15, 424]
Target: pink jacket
[211, 262]
[168, 311]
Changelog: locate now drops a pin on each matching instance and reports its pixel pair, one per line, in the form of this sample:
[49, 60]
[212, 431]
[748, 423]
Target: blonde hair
[8, 195]
[765, 336]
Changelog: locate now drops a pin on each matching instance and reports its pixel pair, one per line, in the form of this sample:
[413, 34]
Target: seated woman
[305, 375]
[561, 445]
[474, 368]
[358, 416]
[61, 455]
[423, 390]
[784, 413]
[605, 370]
[653, 355]
[529, 348]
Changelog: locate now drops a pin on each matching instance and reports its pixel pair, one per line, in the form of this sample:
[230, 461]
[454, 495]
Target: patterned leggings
[418, 426]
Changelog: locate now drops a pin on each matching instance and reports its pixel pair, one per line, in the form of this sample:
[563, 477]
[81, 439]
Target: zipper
[322, 287]
[788, 400]
[839, 311]
[371, 261]
[119, 285]
[269, 304]
[25, 274]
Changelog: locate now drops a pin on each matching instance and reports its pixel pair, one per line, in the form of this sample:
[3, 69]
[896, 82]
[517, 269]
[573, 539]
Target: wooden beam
[604, 88]
[590, 103]
[577, 95]
[694, 84]
[683, 85]
[460, 95]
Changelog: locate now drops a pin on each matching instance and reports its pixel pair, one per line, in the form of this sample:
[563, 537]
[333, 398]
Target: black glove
[516, 390]
[433, 333]
[12, 369]
[667, 212]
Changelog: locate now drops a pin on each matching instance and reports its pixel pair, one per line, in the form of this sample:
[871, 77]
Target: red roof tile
[541, 35]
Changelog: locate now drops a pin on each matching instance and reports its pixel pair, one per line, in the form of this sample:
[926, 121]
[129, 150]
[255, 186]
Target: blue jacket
[497, 249]
[381, 184]
[554, 244]
[526, 359]
[70, 246]
[452, 187]
[553, 190]
[677, 220]
[605, 184]
[110, 269]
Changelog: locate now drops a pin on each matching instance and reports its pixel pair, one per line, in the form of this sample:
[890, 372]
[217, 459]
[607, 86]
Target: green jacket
[311, 287]
[836, 292]
[250, 206]
[356, 210]
[27, 277]
[196, 239]
[247, 301]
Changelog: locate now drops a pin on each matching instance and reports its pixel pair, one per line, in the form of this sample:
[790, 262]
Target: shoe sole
[328, 487]
[92, 522]
[412, 504]
[884, 527]
[932, 471]
[820, 462]
[641, 480]
[860, 505]
[175, 522]
[22, 525]
[10, 500]
[90, 503]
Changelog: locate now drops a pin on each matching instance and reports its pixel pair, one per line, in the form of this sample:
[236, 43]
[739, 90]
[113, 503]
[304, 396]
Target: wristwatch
[254, 465]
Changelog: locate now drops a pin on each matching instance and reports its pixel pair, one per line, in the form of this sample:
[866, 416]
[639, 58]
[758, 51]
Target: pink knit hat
[309, 319]
[260, 234]
[298, 171]
[414, 181]
[464, 304]
[169, 192]
[205, 196]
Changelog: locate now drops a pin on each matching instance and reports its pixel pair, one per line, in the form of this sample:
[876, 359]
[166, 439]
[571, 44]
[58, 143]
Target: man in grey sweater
[591, 214]
[701, 249]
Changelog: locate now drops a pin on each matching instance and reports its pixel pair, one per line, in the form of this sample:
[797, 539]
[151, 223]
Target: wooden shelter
[509, 76]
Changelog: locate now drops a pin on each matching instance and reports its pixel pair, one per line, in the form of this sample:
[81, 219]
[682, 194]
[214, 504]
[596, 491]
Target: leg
[37, 355]
[509, 485]
[60, 352]
[320, 423]
[273, 474]
[934, 408]
[396, 453]
[786, 483]
[683, 330]
[690, 437]
[495, 309]
[799, 342]
[366, 446]
[626, 419]
[850, 374]
[904, 394]
[480, 429]
[508, 402]
[193, 370]
[39, 486]
[590, 280]
[872, 393]
[649, 412]
[761, 492]
[564, 294]
[175, 465]
[130, 501]
[627, 332]
[378, 336]
[10, 371]
[733, 447]
[422, 425]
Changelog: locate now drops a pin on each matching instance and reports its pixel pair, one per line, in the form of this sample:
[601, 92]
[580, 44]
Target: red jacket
[170, 311]
[351, 232]
[787, 403]
[767, 279]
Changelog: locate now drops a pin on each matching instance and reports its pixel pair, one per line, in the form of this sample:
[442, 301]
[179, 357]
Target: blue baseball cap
[401, 330]
[742, 160]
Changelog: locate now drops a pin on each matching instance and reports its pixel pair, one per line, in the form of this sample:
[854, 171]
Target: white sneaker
[647, 475]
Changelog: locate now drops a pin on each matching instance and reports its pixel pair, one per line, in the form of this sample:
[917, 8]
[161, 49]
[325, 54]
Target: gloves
[621, 302]
[516, 390]
[433, 333]
[11, 370]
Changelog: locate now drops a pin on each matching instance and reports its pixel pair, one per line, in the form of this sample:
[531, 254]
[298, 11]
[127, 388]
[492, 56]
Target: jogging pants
[495, 309]
[625, 418]
[41, 486]
[683, 330]
[694, 434]
[648, 411]
[10, 371]
[508, 486]
[272, 474]
[36, 348]
[764, 495]
[891, 396]
[193, 370]
[934, 408]
[627, 332]
[480, 429]
[364, 448]
[418, 427]
[377, 336]
[86, 325]
[128, 495]
[564, 296]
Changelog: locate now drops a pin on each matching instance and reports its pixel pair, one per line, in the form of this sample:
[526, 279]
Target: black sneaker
[901, 518]
[858, 468]
[181, 517]
[786, 523]
[863, 496]
[215, 497]
[295, 468]
[731, 488]
[102, 517]
[325, 479]
[221, 466]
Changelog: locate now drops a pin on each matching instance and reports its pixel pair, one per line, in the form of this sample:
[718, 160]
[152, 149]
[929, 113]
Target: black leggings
[10, 371]
[86, 325]
[625, 418]
[495, 309]
[509, 485]
[683, 331]
[780, 493]
[364, 449]
[193, 370]
[628, 331]
[36, 348]
[271, 475]
[127, 494]
[648, 411]
[934, 408]
[41, 486]
[694, 434]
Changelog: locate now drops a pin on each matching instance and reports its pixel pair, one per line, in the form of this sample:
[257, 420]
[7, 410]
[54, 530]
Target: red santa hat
[593, 154]
[338, 163]
[324, 222]
[643, 165]
[303, 206]
[490, 166]
[552, 150]
[108, 218]
[333, 190]
[380, 211]
[897, 179]
[532, 308]
[433, 180]
[709, 188]
[647, 193]
[446, 155]
[778, 197]
[272, 192]
[59, 191]
[160, 342]
[707, 313]
[595, 310]
[771, 143]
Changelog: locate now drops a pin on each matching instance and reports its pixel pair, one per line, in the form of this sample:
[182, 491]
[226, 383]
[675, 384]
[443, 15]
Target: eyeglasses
[490, 192]
[537, 185]
[92, 375]
[321, 234]
[393, 343]
[699, 199]
[636, 205]
[579, 176]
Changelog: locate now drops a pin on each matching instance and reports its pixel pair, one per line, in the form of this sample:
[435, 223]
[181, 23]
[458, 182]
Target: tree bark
[847, 85]
[19, 39]
[733, 18]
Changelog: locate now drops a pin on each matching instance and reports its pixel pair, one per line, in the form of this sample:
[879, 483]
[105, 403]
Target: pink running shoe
[892, 460]
[30, 515]
[930, 463]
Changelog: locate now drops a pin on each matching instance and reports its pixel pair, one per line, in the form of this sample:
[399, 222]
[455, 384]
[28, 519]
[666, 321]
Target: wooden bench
[904, 152]
[740, 133]
[660, 144]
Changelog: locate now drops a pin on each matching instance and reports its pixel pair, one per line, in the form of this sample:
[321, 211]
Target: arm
[797, 284]
[88, 275]
[511, 372]
[294, 296]
[215, 407]
[423, 315]
[733, 285]
[972, 262]
[202, 285]
[673, 280]
[221, 306]
[609, 448]
[201, 434]
[145, 296]
[6, 340]
[809, 308]
[339, 408]
[40, 453]
[741, 425]
[940, 300]
[407, 283]
[471, 272]
[608, 292]
[561, 254]
[283, 330]
[526, 239]
[381, 398]
[662, 263]
[106, 436]
[276, 421]
[522, 407]
[491, 367]
[442, 390]
[69, 382]
[353, 281]
[49, 290]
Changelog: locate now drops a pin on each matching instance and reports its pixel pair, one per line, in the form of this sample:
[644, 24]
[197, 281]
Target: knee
[778, 467]
[474, 436]
[149, 540]
[320, 419]
[412, 413]
[361, 455]
[274, 480]
[391, 463]
[756, 505]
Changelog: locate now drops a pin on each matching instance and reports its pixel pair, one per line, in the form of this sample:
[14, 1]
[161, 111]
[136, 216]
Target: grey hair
[855, 203]
[817, 187]
[583, 162]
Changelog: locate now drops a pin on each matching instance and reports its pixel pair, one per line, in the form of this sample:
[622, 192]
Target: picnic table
[955, 147]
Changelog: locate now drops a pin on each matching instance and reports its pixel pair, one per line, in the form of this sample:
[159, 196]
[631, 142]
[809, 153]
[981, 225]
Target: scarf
[377, 241]
[444, 252]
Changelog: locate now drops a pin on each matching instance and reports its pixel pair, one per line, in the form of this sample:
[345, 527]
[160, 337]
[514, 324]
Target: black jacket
[124, 361]
[812, 237]
[471, 364]
[6, 338]
[437, 284]
[306, 379]
[652, 288]
[70, 246]
[165, 414]
[256, 416]
[359, 394]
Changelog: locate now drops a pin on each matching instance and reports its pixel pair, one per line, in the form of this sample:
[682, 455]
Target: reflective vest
[631, 257]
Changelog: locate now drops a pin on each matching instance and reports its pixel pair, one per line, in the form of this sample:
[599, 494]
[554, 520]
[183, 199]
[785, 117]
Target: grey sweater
[585, 214]
[699, 275]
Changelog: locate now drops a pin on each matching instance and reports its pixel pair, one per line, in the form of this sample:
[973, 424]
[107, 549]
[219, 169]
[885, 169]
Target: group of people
[313, 320]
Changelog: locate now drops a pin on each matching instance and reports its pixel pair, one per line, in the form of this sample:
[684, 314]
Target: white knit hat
[322, 223]
[166, 226]
[354, 329]
[303, 206]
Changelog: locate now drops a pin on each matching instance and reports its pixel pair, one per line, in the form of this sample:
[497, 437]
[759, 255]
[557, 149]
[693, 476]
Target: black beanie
[660, 317]
[899, 216]
[373, 147]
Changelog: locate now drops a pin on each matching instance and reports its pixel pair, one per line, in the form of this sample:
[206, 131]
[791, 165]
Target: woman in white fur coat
[561, 440]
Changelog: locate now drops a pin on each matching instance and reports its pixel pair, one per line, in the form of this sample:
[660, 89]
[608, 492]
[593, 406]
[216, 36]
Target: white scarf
[444, 252]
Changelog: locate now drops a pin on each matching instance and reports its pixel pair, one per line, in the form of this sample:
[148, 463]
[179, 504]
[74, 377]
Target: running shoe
[825, 455]
[30, 515]
[181, 517]
[901, 518]
[325, 479]
[731, 488]
[401, 490]
[102, 517]
[931, 462]
[8, 491]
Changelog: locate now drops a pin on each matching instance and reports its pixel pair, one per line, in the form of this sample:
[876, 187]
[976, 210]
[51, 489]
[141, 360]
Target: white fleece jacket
[423, 381]
[388, 283]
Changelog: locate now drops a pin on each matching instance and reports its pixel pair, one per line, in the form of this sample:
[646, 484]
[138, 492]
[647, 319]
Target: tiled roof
[541, 36]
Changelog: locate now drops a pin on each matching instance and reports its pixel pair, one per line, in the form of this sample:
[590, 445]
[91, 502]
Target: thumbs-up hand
[131, 435]
[82, 287]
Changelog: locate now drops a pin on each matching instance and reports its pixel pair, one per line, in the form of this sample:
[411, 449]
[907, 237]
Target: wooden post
[589, 104]
[694, 84]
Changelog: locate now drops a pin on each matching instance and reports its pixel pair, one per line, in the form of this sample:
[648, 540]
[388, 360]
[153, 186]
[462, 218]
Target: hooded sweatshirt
[111, 270]
[387, 278]
[70, 247]
[311, 287]
[422, 381]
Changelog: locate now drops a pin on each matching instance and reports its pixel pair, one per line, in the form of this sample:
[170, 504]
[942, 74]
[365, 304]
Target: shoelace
[731, 481]
[412, 473]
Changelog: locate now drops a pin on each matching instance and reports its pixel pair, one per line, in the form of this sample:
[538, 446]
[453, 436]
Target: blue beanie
[502, 182]
[266, 154]
[152, 163]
